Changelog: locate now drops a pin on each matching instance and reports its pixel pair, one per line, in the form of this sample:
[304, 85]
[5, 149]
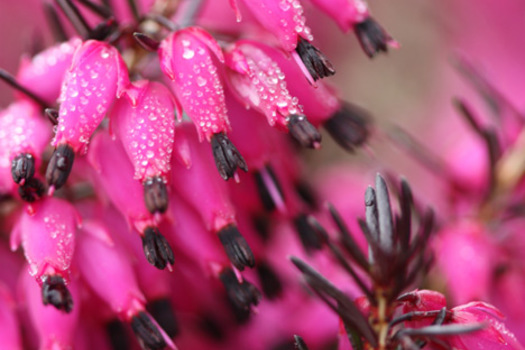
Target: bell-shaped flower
[186, 59]
[97, 76]
[55, 329]
[354, 15]
[108, 272]
[114, 176]
[285, 20]
[145, 123]
[24, 134]
[48, 238]
[259, 82]
[43, 73]
[204, 190]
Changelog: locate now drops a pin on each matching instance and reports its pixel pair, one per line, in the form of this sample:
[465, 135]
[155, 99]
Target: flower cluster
[152, 192]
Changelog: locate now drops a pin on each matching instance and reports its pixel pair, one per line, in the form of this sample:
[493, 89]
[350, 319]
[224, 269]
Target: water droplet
[201, 81]
[188, 54]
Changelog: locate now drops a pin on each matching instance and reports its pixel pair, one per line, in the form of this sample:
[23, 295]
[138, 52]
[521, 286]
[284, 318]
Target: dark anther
[271, 284]
[307, 194]
[162, 312]
[11, 81]
[31, 190]
[268, 187]
[148, 335]
[23, 167]
[303, 132]
[227, 157]
[236, 247]
[155, 195]
[103, 30]
[314, 60]
[60, 166]
[372, 37]
[116, 333]
[349, 126]
[146, 42]
[52, 115]
[299, 343]
[261, 224]
[134, 9]
[156, 248]
[308, 234]
[99, 9]
[75, 17]
[240, 294]
[211, 326]
[55, 292]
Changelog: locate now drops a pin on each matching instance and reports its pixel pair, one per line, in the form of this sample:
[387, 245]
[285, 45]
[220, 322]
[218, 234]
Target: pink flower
[97, 76]
[147, 113]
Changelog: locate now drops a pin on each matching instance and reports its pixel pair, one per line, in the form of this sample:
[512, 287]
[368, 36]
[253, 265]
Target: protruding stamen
[242, 295]
[271, 284]
[146, 42]
[101, 10]
[227, 157]
[148, 335]
[9, 79]
[269, 188]
[299, 343]
[162, 312]
[307, 194]
[157, 249]
[349, 126]
[236, 247]
[134, 9]
[52, 115]
[211, 326]
[22, 168]
[314, 60]
[103, 30]
[54, 22]
[155, 195]
[31, 190]
[117, 335]
[55, 292]
[307, 233]
[304, 132]
[60, 166]
[372, 37]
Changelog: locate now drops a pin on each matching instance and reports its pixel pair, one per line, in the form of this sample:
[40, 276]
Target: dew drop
[188, 54]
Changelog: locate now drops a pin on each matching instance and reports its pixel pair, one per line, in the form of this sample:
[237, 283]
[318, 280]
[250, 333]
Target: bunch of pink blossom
[153, 194]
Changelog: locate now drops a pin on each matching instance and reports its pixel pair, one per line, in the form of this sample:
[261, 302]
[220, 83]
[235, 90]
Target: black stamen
[156, 248]
[372, 37]
[211, 326]
[307, 194]
[147, 333]
[55, 292]
[227, 157]
[11, 81]
[52, 115]
[146, 42]
[241, 295]
[22, 167]
[236, 247]
[104, 30]
[349, 126]
[303, 132]
[32, 190]
[134, 9]
[54, 22]
[162, 312]
[271, 284]
[117, 335]
[155, 195]
[314, 60]
[299, 343]
[60, 166]
[307, 233]
[261, 179]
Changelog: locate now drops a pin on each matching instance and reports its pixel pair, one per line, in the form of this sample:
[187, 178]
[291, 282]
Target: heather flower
[354, 15]
[148, 115]
[97, 76]
[10, 331]
[285, 20]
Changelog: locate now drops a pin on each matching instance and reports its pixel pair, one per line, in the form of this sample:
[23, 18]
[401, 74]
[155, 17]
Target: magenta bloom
[144, 122]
